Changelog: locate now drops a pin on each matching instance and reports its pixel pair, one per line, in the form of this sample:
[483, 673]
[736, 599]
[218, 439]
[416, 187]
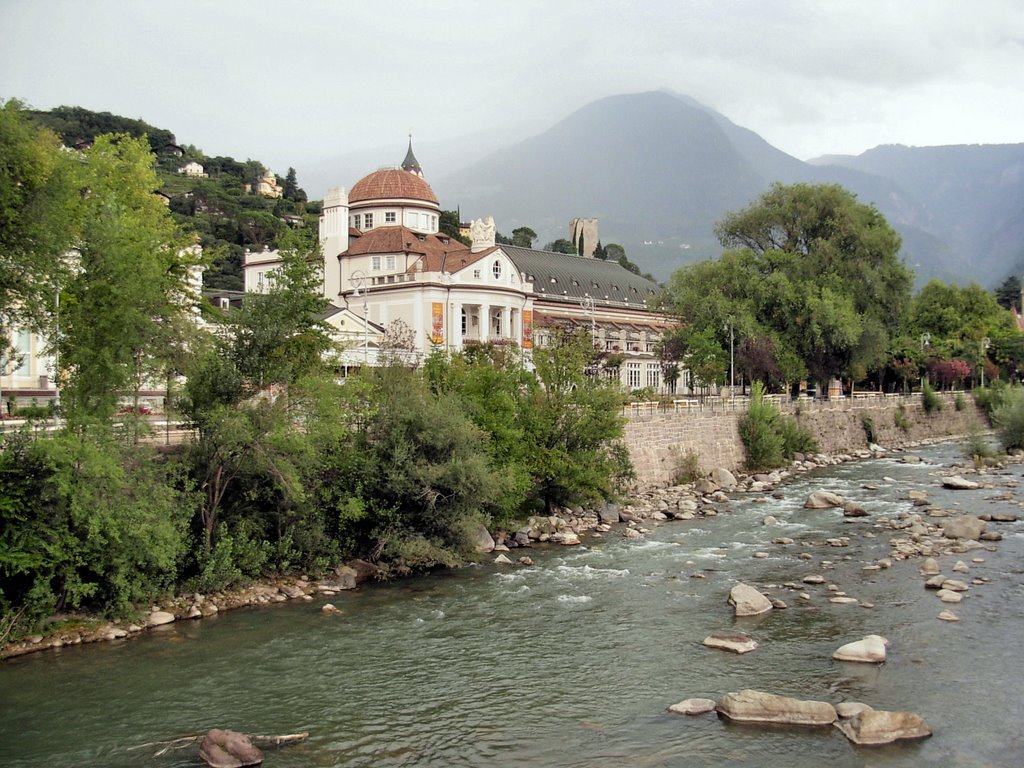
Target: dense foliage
[769, 438]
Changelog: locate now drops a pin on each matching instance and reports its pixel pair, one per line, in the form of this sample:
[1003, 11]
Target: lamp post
[732, 363]
[926, 340]
[587, 303]
[986, 342]
[358, 280]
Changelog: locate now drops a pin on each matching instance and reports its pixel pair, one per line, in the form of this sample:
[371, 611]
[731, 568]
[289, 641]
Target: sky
[294, 83]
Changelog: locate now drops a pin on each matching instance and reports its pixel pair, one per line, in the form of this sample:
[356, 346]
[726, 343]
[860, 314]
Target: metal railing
[785, 403]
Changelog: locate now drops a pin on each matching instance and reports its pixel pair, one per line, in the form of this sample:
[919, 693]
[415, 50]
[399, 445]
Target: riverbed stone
[853, 509]
[750, 706]
[769, 520]
[609, 513]
[228, 749]
[723, 478]
[482, 541]
[693, 707]
[961, 567]
[735, 642]
[502, 560]
[930, 567]
[157, 618]
[957, 483]
[823, 500]
[882, 727]
[955, 585]
[948, 615]
[870, 650]
[748, 601]
[963, 527]
[949, 596]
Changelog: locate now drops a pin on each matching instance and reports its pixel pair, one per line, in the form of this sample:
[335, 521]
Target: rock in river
[156, 618]
[963, 527]
[958, 483]
[750, 706]
[228, 749]
[748, 601]
[737, 643]
[693, 707]
[870, 649]
[823, 500]
[881, 727]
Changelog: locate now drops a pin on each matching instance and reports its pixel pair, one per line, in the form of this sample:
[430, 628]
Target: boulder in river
[693, 707]
[482, 540]
[930, 567]
[156, 618]
[723, 478]
[608, 513]
[748, 601]
[823, 500]
[735, 642]
[957, 483]
[749, 706]
[228, 749]
[851, 708]
[963, 527]
[881, 727]
[870, 649]
[853, 509]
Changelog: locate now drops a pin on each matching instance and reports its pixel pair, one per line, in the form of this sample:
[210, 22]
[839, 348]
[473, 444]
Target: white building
[387, 265]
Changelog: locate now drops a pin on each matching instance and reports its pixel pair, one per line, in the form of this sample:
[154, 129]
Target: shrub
[930, 400]
[687, 468]
[991, 397]
[869, 428]
[958, 402]
[1008, 419]
[759, 431]
[795, 439]
[976, 445]
[900, 419]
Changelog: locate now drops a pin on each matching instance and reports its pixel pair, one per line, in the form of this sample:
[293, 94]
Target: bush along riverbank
[506, 547]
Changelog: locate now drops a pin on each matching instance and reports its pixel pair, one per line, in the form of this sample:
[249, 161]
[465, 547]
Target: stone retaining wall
[659, 440]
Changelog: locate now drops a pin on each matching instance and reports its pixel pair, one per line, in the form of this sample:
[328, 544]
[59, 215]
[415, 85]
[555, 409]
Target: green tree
[523, 237]
[125, 306]
[291, 190]
[39, 204]
[573, 427]
[560, 245]
[1008, 293]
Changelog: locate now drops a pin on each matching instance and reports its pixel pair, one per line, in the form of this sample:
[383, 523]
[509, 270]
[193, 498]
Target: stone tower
[585, 230]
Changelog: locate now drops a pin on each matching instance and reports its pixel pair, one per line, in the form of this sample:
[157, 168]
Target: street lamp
[587, 303]
[732, 363]
[986, 342]
[358, 280]
[926, 340]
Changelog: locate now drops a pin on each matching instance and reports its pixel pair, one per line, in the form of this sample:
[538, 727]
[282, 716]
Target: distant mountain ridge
[659, 170]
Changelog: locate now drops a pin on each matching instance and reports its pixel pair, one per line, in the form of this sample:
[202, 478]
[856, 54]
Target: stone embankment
[658, 441]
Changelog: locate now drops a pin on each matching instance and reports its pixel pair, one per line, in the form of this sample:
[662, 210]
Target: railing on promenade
[681, 406]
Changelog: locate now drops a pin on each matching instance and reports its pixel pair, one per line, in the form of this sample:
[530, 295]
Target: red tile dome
[391, 184]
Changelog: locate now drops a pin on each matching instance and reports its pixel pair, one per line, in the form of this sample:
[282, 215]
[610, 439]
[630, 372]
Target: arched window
[496, 269]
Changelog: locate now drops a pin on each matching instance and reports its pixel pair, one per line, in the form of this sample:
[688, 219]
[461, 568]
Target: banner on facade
[527, 329]
[437, 324]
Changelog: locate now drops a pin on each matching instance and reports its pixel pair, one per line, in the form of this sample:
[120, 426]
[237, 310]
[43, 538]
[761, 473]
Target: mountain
[970, 197]
[659, 170]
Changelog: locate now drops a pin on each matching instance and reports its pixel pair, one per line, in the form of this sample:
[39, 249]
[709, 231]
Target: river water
[572, 662]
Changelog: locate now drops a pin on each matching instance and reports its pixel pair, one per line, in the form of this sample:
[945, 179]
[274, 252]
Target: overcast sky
[292, 82]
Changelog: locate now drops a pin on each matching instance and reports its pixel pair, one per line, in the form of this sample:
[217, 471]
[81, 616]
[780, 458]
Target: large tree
[132, 290]
[809, 266]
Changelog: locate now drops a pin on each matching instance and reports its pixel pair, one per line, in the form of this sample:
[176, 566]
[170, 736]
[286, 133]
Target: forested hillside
[217, 207]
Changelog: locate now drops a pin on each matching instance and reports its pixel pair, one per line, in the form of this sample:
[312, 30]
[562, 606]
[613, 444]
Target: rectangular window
[653, 376]
[389, 217]
[476, 274]
[368, 221]
[375, 263]
[633, 375]
[22, 347]
[389, 262]
[355, 221]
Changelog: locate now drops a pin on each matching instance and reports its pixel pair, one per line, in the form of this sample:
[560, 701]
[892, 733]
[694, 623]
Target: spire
[411, 164]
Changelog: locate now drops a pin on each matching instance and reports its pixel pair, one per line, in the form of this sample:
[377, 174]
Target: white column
[485, 323]
[453, 331]
[506, 326]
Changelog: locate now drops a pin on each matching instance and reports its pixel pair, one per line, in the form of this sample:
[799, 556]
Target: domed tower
[393, 197]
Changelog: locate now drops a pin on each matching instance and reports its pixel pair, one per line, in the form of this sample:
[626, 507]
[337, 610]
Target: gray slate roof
[567, 277]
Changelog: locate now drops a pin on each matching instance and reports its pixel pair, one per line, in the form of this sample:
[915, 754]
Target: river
[573, 662]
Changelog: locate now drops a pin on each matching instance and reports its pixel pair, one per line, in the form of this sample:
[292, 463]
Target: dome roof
[391, 184]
